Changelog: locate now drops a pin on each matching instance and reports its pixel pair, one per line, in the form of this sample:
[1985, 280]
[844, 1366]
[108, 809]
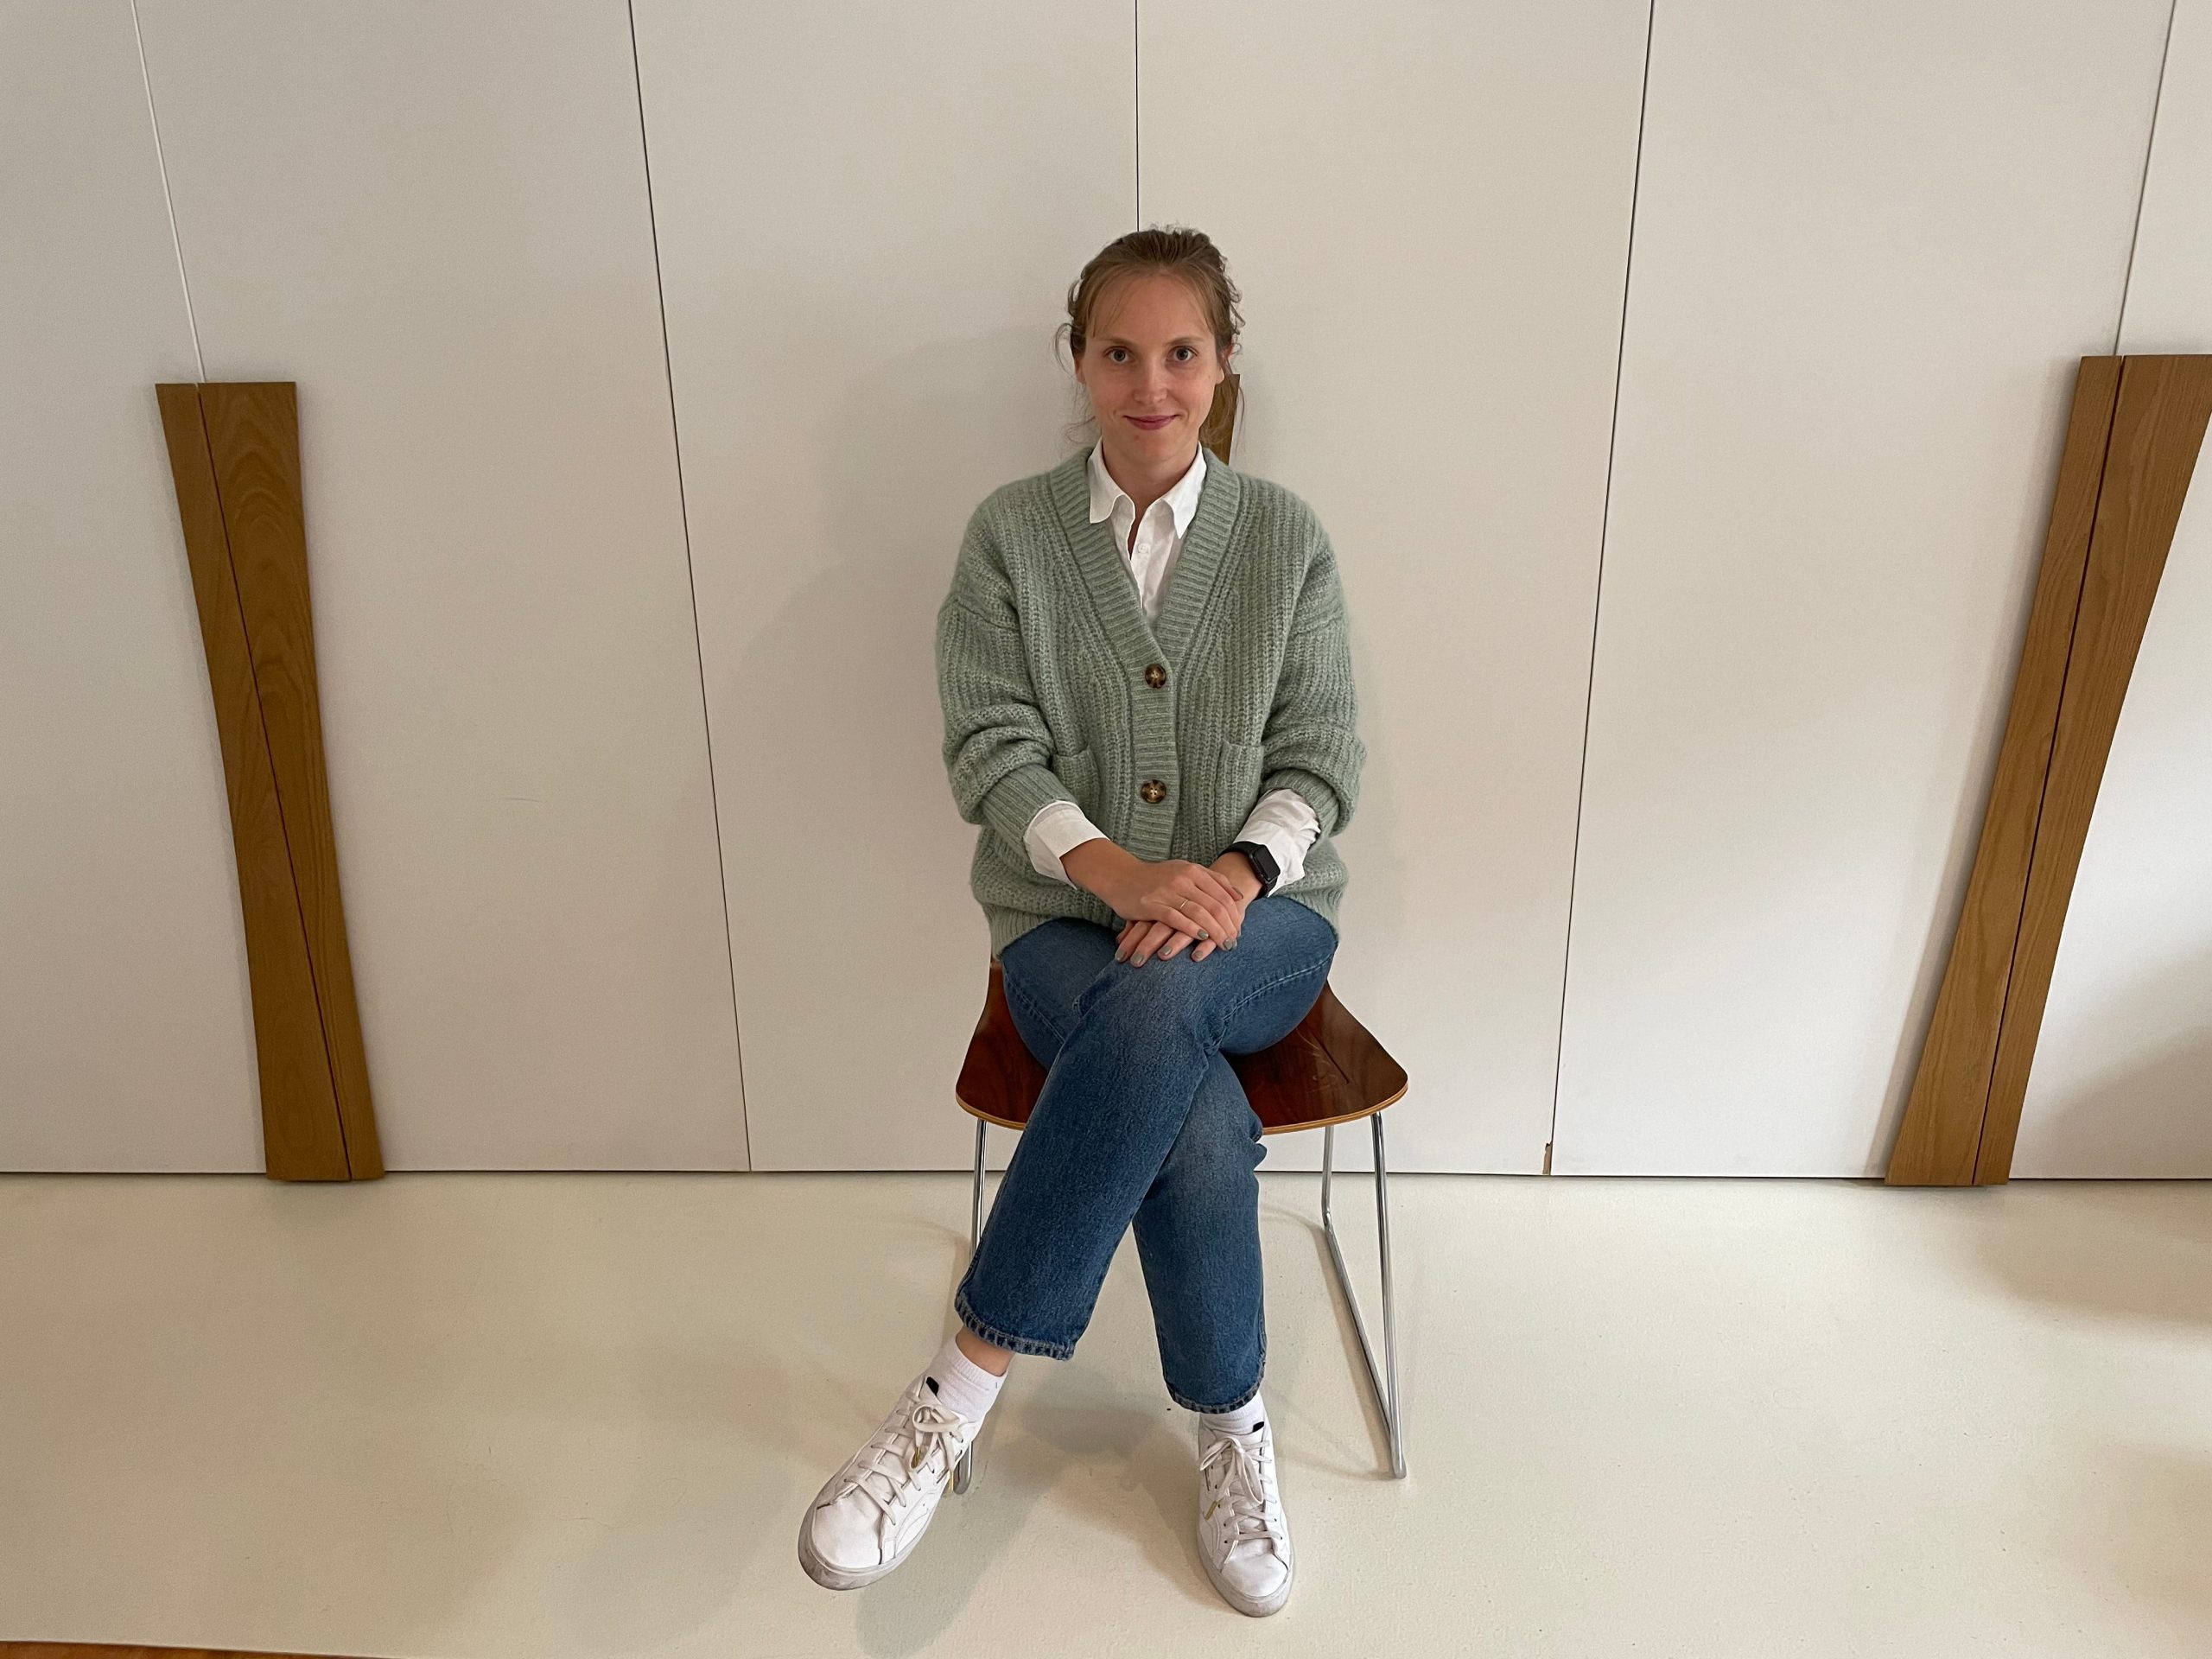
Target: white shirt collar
[1182, 497]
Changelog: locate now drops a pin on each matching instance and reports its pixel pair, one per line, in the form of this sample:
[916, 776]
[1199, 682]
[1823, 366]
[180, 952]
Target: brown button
[1155, 675]
[1153, 790]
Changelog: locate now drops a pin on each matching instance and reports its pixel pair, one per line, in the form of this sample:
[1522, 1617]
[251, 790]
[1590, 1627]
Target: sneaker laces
[1230, 1469]
[926, 1434]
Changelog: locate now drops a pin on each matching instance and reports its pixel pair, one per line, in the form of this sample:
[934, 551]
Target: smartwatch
[1263, 861]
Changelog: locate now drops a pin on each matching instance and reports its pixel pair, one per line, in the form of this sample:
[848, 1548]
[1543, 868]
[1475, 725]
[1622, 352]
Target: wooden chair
[1327, 1071]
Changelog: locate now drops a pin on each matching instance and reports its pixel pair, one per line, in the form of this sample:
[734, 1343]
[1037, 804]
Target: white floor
[578, 1414]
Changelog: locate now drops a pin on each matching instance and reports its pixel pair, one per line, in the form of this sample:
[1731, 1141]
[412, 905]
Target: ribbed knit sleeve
[1311, 743]
[996, 743]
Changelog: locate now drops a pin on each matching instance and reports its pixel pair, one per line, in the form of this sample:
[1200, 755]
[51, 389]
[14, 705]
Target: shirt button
[1154, 792]
[1155, 675]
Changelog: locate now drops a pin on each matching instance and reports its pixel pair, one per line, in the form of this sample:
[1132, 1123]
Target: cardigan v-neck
[1282, 821]
[1135, 637]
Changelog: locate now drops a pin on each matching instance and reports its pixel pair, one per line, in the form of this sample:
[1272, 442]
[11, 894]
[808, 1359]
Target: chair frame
[1382, 1382]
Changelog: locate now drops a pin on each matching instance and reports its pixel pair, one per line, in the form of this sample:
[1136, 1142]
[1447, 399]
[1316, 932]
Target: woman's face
[1150, 367]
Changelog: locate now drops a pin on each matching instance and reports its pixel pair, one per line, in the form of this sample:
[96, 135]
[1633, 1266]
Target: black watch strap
[1263, 861]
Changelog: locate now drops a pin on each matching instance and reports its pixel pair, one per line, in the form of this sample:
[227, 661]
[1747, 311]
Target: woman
[1145, 639]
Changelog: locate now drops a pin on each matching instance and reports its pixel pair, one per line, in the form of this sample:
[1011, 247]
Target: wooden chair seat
[1329, 1068]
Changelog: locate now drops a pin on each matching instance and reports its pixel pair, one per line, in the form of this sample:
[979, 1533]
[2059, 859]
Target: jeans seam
[1253, 995]
[1013, 987]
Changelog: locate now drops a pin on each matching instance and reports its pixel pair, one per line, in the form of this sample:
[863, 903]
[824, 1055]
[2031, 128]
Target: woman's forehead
[1114, 305]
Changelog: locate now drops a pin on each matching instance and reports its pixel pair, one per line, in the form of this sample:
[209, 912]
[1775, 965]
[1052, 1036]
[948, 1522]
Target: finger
[1183, 912]
[1216, 885]
[1230, 906]
[1218, 918]
[1235, 915]
[1155, 935]
[1238, 911]
[1194, 928]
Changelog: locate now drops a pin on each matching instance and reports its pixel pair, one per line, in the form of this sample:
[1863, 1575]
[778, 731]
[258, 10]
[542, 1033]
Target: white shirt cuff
[1059, 828]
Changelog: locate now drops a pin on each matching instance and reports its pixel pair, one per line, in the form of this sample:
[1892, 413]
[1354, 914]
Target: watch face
[1262, 862]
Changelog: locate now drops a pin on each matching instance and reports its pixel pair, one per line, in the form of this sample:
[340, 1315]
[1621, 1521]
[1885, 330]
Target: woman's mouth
[1150, 422]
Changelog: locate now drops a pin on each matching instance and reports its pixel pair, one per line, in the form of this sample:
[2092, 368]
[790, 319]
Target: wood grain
[253, 435]
[1940, 1138]
[299, 1109]
[2158, 430]
[2133, 441]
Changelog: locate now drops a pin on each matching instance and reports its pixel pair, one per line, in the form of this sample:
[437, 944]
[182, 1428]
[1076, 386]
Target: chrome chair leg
[964, 1472]
[975, 1219]
[1383, 1380]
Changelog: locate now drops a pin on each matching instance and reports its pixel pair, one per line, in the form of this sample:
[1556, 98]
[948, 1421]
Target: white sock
[961, 1383]
[1243, 1421]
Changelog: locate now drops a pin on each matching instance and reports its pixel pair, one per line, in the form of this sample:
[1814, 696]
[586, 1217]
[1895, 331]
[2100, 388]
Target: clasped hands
[1168, 905]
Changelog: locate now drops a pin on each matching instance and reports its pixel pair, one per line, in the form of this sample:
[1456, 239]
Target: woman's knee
[1219, 1140]
[1166, 994]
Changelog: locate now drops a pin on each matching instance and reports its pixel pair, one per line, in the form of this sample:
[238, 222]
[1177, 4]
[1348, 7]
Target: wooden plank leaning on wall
[234, 455]
[2131, 444]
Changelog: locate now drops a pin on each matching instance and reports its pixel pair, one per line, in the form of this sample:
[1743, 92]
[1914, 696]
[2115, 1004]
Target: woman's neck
[1142, 488]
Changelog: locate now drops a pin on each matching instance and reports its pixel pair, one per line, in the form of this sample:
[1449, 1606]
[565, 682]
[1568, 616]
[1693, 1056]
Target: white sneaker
[1244, 1536]
[868, 1516]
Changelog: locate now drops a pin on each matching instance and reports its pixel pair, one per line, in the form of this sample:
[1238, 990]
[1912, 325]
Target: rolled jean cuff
[1244, 1398]
[1006, 1340]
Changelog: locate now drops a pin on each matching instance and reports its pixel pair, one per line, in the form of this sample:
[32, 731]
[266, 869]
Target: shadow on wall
[2150, 1117]
[834, 543]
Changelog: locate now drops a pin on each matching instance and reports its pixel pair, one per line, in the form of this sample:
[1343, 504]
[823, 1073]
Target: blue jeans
[1143, 1120]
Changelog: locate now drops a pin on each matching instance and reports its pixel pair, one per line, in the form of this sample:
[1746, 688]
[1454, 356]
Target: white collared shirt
[1282, 820]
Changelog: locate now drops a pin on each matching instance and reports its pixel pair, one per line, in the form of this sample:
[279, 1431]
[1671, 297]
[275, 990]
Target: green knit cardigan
[1055, 687]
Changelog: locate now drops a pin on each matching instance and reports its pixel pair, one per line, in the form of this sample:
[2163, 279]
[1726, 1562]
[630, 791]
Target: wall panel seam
[169, 203]
[690, 581]
[1596, 596]
[2143, 184]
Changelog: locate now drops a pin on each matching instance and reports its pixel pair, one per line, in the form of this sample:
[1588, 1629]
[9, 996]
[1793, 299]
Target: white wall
[1868, 245]
[126, 1041]
[2123, 1072]
[868, 216]
[434, 217]
[1428, 209]
[1870, 242]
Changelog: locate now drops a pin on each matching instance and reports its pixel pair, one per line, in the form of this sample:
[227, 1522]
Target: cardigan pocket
[1078, 770]
[1237, 770]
